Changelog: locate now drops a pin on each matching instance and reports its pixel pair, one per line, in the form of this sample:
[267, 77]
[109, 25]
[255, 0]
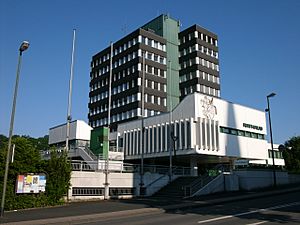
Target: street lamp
[271, 137]
[142, 188]
[24, 46]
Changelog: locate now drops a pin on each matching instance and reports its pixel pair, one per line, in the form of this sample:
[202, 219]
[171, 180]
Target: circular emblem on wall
[209, 110]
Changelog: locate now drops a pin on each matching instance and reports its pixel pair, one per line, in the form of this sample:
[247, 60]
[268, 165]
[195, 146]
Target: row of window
[117, 103]
[114, 118]
[129, 44]
[154, 85]
[151, 43]
[198, 35]
[116, 90]
[87, 191]
[243, 133]
[155, 100]
[97, 191]
[153, 70]
[197, 73]
[199, 61]
[199, 48]
[153, 57]
[126, 72]
[116, 51]
[123, 116]
[117, 76]
[202, 89]
[129, 99]
[126, 86]
[277, 154]
[117, 63]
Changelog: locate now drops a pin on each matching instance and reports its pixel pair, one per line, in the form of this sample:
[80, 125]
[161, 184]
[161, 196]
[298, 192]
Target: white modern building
[207, 131]
[79, 132]
[79, 140]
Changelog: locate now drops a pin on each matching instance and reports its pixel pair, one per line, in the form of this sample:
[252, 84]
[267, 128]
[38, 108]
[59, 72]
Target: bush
[27, 160]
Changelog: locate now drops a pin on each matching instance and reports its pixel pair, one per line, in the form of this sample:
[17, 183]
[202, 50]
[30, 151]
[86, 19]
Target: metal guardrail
[156, 180]
[100, 165]
[203, 180]
[197, 184]
[119, 166]
[160, 169]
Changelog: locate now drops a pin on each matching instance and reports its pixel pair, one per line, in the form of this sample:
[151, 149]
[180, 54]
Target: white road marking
[250, 212]
[258, 223]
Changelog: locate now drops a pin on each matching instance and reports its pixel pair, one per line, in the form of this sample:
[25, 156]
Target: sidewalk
[85, 211]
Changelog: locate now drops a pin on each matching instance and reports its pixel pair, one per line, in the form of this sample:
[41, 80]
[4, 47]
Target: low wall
[86, 185]
[255, 179]
[247, 180]
[294, 178]
[223, 182]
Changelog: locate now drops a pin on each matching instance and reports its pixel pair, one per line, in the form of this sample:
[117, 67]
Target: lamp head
[271, 95]
[24, 46]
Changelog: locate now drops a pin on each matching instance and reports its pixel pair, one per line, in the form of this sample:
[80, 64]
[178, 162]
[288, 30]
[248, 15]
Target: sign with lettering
[31, 183]
[246, 125]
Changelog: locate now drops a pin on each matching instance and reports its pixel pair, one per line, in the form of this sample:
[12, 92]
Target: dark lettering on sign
[252, 126]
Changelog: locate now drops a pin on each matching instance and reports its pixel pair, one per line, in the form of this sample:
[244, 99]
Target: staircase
[175, 189]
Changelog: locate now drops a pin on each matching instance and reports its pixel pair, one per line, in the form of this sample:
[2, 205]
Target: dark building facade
[176, 64]
[126, 86]
[199, 62]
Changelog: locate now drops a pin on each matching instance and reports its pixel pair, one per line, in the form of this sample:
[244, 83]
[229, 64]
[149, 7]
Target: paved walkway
[83, 211]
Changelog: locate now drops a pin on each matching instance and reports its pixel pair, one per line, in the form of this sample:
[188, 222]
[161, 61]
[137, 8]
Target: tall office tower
[165, 82]
[199, 62]
[154, 39]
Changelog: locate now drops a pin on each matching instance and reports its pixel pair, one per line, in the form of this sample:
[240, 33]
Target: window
[234, 132]
[224, 130]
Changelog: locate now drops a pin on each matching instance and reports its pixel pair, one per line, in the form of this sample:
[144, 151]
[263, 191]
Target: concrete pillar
[194, 167]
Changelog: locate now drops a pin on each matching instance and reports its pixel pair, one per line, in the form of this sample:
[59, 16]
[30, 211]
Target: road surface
[279, 209]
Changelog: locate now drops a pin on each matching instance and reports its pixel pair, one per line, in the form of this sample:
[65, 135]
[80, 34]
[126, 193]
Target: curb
[88, 218]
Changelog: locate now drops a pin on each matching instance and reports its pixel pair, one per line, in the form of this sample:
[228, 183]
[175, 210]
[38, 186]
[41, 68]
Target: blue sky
[258, 43]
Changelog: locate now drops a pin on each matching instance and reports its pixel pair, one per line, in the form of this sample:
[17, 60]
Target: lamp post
[24, 46]
[142, 189]
[271, 137]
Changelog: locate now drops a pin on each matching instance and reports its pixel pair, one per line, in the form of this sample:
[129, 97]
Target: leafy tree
[292, 154]
[27, 159]
[59, 175]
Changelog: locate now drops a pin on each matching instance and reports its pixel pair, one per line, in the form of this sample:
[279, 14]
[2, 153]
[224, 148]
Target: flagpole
[69, 118]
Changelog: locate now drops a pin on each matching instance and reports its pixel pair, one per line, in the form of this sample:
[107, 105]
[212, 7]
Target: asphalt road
[279, 209]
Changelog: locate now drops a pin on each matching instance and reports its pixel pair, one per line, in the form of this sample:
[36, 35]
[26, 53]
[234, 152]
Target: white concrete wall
[78, 130]
[222, 183]
[254, 179]
[125, 180]
[225, 114]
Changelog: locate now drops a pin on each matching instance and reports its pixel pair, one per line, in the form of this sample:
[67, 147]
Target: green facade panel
[168, 28]
[99, 141]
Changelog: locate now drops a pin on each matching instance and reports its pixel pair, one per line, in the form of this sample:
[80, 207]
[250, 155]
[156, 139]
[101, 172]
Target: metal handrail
[197, 184]
[156, 180]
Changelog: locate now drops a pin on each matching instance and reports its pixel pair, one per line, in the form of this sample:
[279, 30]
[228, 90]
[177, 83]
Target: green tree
[292, 154]
[59, 175]
[27, 159]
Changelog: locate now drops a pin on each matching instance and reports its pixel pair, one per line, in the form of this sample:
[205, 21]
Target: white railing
[120, 166]
[100, 165]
